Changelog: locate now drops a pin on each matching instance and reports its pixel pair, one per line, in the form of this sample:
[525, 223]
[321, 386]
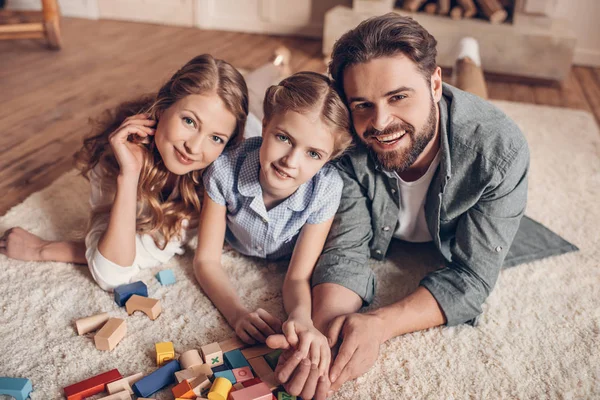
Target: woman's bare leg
[20, 244]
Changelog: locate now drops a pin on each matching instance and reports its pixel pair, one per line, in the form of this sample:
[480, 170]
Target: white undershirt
[412, 226]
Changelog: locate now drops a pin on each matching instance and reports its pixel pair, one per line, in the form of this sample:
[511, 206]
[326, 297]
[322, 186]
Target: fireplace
[516, 37]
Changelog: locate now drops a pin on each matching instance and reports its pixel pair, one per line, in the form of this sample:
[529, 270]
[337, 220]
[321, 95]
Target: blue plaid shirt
[232, 181]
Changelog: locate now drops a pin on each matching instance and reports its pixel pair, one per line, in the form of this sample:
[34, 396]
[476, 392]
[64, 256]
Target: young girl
[144, 165]
[275, 197]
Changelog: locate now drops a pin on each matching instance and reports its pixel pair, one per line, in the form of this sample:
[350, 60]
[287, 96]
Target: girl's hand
[309, 342]
[124, 142]
[255, 326]
[19, 244]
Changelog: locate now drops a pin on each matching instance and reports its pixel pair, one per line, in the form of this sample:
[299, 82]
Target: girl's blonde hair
[306, 92]
[159, 212]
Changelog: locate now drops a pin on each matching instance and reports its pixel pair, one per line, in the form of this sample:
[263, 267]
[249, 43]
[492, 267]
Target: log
[469, 8]
[493, 10]
[412, 5]
[456, 13]
[443, 7]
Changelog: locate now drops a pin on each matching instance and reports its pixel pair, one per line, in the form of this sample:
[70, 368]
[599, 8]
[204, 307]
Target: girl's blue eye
[189, 121]
[314, 154]
[217, 139]
[283, 138]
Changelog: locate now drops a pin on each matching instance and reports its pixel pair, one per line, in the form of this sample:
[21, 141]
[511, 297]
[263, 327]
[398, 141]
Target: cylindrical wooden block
[190, 359]
[456, 12]
[89, 324]
[220, 389]
[412, 5]
[431, 8]
[469, 8]
[443, 7]
[469, 77]
[493, 10]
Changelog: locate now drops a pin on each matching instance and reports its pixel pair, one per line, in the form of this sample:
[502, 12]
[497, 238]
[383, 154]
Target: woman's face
[193, 132]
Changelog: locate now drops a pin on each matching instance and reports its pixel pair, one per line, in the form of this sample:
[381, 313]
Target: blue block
[166, 277]
[19, 388]
[157, 380]
[219, 368]
[228, 374]
[124, 292]
[235, 359]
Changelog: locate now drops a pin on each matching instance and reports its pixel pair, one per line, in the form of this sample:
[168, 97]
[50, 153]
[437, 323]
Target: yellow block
[164, 352]
[220, 389]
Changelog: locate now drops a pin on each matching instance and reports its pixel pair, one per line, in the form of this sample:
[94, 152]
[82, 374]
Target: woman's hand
[256, 326]
[124, 142]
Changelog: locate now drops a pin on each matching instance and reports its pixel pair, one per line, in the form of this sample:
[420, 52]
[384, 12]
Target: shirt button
[378, 251]
[264, 220]
[393, 190]
[498, 249]
[386, 228]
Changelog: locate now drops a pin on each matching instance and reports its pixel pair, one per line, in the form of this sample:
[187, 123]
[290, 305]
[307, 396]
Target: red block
[251, 382]
[255, 392]
[91, 386]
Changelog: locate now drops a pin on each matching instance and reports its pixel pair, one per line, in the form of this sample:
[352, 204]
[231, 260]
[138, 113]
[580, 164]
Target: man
[432, 163]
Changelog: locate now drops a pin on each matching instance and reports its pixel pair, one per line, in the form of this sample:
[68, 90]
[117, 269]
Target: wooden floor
[47, 97]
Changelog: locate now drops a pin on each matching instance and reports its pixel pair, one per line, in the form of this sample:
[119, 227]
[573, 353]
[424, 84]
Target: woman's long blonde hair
[157, 212]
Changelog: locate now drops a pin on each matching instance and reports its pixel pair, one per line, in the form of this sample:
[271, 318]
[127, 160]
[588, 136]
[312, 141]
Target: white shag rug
[538, 338]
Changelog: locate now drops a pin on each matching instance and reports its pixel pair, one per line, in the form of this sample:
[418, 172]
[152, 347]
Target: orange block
[184, 390]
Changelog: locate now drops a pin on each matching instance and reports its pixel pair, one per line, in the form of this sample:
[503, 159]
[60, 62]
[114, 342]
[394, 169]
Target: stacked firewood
[493, 10]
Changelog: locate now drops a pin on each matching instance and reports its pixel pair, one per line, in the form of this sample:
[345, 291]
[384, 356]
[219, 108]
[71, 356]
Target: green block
[273, 357]
[285, 396]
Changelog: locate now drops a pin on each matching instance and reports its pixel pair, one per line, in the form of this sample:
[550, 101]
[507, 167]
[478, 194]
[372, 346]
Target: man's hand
[361, 335]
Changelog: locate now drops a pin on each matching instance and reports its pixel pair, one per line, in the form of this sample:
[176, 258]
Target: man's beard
[400, 160]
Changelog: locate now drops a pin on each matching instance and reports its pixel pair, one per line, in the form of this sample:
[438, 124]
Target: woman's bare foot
[20, 244]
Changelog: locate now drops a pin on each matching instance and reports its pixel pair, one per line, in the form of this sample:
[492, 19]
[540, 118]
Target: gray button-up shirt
[473, 208]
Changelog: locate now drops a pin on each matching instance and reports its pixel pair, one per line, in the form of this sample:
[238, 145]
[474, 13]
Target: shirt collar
[249, 184]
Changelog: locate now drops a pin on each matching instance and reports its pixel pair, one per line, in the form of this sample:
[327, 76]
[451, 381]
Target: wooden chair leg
[52, 24]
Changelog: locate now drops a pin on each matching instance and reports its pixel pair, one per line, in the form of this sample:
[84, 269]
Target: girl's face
[295, 147]
[193, 132]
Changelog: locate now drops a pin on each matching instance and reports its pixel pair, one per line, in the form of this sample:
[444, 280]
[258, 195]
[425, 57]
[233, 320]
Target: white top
[412, 226]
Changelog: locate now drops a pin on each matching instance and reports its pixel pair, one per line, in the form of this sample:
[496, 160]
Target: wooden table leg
[52, 23]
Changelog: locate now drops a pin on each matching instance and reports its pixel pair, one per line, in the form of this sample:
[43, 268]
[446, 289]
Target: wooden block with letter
[213, 355]
[164, 352]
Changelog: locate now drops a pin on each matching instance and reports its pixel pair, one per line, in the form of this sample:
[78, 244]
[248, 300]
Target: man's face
[394, 108]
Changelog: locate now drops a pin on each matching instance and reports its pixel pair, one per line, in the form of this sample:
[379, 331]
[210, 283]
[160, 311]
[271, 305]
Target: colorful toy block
[190, 359]
[89, 324]
[232, 344]
[111, 334]
[256, 392]
[123, 384]
[251, 382]
[260, 366]
[204, 369]
[273, 358]
[91, 386]
[124, 395]
[157, 380]
[220, 368]
[238, 386]
[200, 385]
[124, 292]
[164, 352]
[242, 374]
[183, 390]
[150, 307]
[228, 374]
[220, 389]
[256, 351]
[235, 359]
[213, 355]
[285, 396]
[185, 374]
[19, 388]
[166, 277]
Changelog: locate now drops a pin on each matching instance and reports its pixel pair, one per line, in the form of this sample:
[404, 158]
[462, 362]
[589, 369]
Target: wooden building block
[166, 277]
[203, 369]
[270, 381]
[92, 323]
[185, 375]
[251, 382]
[285, 396]
[260, 366]
[124, 292]
[123, 395]
[220, 389]
[190, 359]
[124, 384]
[183, 390]
[19, 388]
[213, 355]
[228, 374]
[273, 358]
[150, 307]
[157, 380]
[201, 385]
[256, 392]
[256, 351]
[242, 374]
[164, 352]
[238, 386]
[235, 359]
[111, 334]
[232, 344]
[91, 386]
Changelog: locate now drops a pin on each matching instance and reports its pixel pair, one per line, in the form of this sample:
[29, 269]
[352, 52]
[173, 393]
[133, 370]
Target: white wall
[584, 16]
